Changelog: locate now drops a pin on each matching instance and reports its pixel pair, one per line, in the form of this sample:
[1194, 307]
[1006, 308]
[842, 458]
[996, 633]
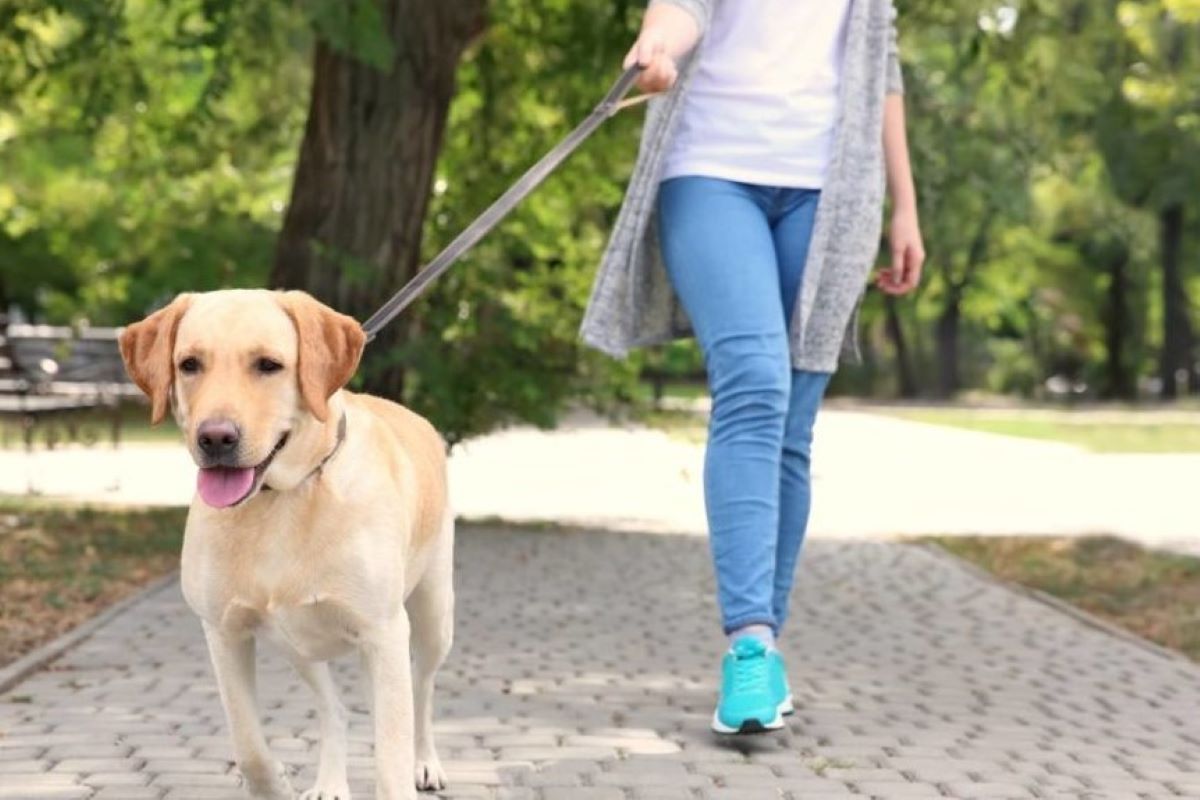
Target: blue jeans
[735, 254]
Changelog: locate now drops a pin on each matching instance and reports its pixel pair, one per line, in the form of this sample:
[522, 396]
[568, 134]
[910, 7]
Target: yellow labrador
[320, 522]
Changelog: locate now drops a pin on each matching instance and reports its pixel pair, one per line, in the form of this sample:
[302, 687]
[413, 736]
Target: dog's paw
[267, 781]
[430, 775]
[327, 791]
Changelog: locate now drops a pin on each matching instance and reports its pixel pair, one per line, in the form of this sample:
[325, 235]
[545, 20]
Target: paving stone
[110, 749]
[897, 789]
[128, 793]
[33, 780]
[19, 753]
[188, 765]
[740, 793]
[40, 786]
[911, 676]
[151, 752]
[177, 779]
[198, 793]
[726, 770]
[44, 792]
[815, 787]
[99, 779]
[515, 793]
[968, 791]
[85, 765]
[589, 793]
[24, 765]
[464, 793]
[663, 793]
[648, 779]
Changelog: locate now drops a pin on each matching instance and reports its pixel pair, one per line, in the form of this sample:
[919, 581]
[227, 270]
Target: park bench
[59, 377]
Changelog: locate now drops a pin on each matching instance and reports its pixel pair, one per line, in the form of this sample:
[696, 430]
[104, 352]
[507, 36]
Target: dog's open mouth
[222, 487]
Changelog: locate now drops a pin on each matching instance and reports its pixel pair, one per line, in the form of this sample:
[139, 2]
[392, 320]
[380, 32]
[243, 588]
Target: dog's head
[243, 371]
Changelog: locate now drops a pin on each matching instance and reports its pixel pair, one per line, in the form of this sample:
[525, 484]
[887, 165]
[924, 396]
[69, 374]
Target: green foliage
[497, 338]
[1039, 131]
[352, 27]
[1149, 120]
[147, 147]
[147, 159]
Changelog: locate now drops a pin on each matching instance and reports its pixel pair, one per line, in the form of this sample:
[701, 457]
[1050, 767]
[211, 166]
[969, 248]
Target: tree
[974, 84]
[140, 149]
[1148, 129]
[354, 225]
[148, 147]
[495, 338]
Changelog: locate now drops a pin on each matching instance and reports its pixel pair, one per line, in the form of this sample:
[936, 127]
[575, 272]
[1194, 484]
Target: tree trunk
[905, 377]
[948, 321]
[1120, 381]
[352, 232]
[946, 331]
[1175, 362]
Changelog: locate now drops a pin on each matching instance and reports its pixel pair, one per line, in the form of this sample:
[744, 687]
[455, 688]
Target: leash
[613, 102]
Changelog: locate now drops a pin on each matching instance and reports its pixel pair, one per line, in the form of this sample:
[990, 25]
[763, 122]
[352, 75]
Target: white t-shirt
[762, 104]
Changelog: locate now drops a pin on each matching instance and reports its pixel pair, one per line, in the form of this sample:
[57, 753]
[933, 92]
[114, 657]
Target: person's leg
[792, 232]
[718, 249]
[795, 487]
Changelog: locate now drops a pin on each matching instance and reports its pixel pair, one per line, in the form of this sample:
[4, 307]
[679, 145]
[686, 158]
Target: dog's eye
[267, 366]
[190, 365]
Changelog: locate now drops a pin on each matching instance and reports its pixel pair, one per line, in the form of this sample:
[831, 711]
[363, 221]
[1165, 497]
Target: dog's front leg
[331, 767]
[386, 660]
[233, 662]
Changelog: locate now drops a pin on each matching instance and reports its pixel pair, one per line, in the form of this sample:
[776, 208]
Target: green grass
[136, 427]
[685, 425]
[1153, 594]
[1130, 432]
[679, 391]
[61, 565]
[677, 420]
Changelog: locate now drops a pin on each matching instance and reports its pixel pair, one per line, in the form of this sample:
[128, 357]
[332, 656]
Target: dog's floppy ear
[331, 345]
[147, 348]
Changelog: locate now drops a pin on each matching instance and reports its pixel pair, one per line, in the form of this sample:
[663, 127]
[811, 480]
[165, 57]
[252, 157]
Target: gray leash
[610, 105]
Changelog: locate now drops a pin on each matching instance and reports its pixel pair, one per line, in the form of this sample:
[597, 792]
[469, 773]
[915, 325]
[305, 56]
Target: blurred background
[1038, 393]
[152, 147]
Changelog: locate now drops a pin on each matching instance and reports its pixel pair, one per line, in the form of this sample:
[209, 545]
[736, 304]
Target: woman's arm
[908, 251]
[669, 31]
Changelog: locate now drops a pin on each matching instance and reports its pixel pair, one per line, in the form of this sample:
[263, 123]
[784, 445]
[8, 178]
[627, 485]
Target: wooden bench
[57, 374]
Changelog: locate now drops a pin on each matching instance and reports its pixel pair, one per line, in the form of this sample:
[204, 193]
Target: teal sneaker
[779, 683]
[748, 702]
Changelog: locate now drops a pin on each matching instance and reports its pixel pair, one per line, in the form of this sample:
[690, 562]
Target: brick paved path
[584, 670]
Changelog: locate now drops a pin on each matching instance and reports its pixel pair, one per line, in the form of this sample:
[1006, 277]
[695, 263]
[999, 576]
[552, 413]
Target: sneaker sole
[787, 707]
[748, 727]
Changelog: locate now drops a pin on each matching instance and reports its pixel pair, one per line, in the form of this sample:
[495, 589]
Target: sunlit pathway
[584, 670]
[876, 477]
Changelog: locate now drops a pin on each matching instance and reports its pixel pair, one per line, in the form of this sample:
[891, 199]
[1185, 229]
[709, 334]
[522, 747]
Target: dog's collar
[341, 438]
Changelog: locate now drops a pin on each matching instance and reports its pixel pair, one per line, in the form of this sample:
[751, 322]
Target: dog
[320, 523]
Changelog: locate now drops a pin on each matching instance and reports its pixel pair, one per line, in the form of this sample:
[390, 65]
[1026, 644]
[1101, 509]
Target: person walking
[752, 220]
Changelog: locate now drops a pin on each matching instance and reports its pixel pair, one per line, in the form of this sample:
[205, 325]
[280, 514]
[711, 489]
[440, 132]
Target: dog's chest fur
[312, 587]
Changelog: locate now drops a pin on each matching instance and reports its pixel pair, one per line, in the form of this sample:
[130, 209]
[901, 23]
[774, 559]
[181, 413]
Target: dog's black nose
[218, 437]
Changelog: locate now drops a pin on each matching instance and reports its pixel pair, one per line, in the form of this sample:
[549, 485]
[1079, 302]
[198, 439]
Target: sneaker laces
[750, 673]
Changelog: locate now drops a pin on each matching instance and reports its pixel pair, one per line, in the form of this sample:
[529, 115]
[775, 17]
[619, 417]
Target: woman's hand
[908, 254]
[659, 72]
[668, 33]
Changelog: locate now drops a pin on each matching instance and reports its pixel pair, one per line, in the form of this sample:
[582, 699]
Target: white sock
[761, 632]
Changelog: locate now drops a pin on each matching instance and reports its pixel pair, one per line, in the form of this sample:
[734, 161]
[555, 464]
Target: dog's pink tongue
[221, 487]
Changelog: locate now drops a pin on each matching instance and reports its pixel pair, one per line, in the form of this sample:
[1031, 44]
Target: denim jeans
[735, 254]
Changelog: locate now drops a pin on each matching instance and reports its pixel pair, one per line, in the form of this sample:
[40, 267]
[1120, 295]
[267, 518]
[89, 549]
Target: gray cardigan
[632, 301]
